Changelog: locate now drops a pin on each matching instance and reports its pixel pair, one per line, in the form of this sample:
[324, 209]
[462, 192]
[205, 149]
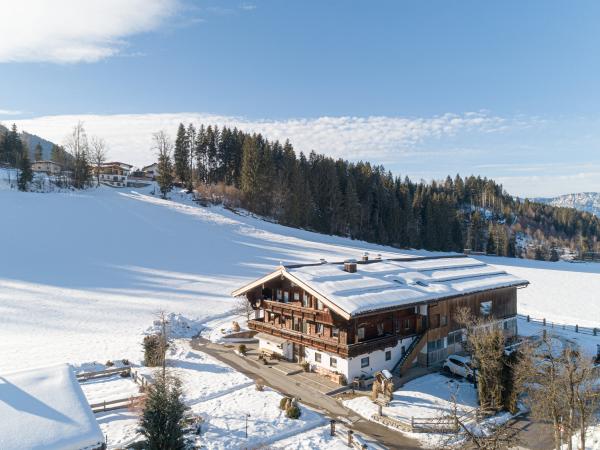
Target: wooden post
[528, 318]
[412, 423]
[380, 409]
[332, 427]
[576, 328]
[544, 321]
[595, 331]
[350, 439]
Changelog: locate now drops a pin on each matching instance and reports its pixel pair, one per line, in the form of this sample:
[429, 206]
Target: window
[364, 362]
[279, 294]
[304, 326]
[435, 345]
[319, 304]
[335, 332]
[443, 321]
[333, 362]
[317, 357]
[361, 333]
[455, 337]
[296, 296]
[388, 355]
[305, 301]
[407, 324]
[485, 308]
[286, 296]
[319, 328]
[380, 329]
[296, 324]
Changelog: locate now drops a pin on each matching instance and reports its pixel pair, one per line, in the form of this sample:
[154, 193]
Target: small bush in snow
[293, 412]
[154, 350]
[260, 387]
[306, 366]
[125, 361]
[242, 349]
[284, 403]
[109, 363]
[235, 326]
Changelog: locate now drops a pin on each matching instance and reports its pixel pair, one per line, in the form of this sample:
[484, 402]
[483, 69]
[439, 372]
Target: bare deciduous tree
[97, 155]
[243, 307]
[77, 145]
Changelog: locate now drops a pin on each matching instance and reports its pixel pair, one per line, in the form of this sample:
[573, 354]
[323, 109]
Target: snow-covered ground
[562, 292]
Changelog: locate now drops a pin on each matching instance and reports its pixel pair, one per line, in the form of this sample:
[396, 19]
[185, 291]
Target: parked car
[459, 365]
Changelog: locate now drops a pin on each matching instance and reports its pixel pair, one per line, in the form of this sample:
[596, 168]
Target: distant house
[49, 167]
[46, 408]
[350, 319]
[151, 171]
[114, 173]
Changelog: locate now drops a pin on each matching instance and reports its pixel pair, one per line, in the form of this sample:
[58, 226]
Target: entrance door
[298, 353]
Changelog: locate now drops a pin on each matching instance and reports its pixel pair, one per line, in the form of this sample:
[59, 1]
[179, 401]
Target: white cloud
[378, 139]
[67, 31]
[10, 112]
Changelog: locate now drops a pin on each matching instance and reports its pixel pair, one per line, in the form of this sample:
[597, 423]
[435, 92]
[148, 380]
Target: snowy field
[83, 273]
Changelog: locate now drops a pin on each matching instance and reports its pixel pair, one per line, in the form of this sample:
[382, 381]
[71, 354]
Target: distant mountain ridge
[582, 201]
[32, 140]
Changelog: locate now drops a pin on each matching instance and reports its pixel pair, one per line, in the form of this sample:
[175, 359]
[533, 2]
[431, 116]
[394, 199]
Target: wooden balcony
[299, 311]
[325, 345]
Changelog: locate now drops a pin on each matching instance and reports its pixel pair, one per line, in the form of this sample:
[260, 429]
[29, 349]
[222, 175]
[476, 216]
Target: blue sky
[504, 89]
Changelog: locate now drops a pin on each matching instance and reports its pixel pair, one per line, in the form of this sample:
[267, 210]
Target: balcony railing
[308, 313]
[343, 350]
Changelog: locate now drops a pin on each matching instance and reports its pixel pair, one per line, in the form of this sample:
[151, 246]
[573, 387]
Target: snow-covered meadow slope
[82, 274]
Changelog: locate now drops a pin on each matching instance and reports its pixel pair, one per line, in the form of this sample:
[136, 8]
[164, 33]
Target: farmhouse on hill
[351, 319]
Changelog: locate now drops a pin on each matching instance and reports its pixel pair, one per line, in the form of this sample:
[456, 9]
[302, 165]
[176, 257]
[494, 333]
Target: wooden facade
[290, 312]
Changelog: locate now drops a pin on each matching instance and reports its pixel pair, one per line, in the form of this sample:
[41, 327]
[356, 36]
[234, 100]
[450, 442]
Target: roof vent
[365, 256]
[421, 283]
[350, 266]
[323, 261]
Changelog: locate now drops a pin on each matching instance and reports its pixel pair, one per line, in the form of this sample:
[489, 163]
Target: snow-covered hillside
[82, 273]
[583, 201]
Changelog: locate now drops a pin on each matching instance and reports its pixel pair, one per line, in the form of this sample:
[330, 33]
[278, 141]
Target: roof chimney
[365, 256]
[350, 266]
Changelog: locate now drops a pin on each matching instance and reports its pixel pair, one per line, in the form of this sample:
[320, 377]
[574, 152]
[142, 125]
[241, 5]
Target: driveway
[308, 390]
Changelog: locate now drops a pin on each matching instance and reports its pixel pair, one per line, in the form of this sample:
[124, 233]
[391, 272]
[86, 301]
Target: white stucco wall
[285, 349]
[351, 367]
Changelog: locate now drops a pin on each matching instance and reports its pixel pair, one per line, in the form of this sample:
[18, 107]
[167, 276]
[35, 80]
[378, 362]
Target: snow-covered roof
[45, 408]
[389, 283]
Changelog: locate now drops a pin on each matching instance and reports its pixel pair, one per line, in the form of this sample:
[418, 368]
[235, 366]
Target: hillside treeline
[367, 202]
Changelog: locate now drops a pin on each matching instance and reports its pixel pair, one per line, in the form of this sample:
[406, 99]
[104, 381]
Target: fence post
[595, 331]
[412, 423]
[576, 328]
[350, 440]
[544, 321]
[528, 318]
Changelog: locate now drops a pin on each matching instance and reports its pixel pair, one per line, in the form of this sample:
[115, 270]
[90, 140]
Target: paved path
[307, 392]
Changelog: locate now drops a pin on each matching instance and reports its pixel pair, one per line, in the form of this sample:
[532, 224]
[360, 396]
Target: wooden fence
[111, 405]
[593, 331]
[103, 373]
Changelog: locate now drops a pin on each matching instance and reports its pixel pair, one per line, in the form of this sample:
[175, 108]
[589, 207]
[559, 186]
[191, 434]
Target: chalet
[49, 167]
[151, 171]
[355, 318]
[113, 173]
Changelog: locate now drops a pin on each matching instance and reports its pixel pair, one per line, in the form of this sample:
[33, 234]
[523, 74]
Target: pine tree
[161, 421]
[25, 172]
[181, 156]
[38, 152]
